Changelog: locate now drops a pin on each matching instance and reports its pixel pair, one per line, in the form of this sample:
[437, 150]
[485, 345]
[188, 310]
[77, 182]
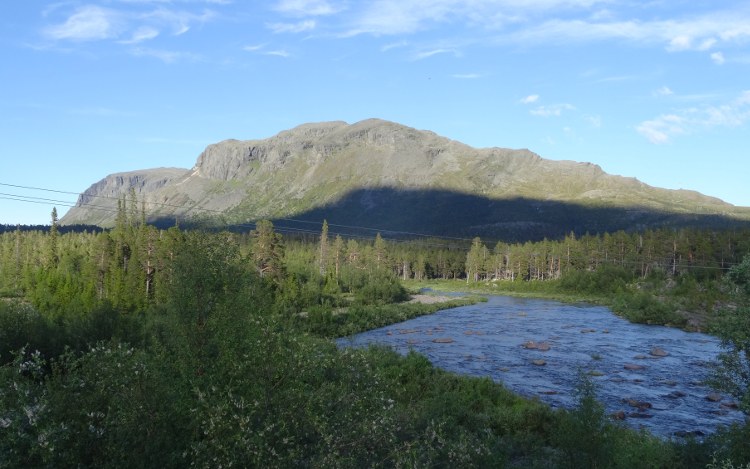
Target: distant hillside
[388, 176]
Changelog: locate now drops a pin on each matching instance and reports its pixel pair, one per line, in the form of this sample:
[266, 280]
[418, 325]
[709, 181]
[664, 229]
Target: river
[649, 376]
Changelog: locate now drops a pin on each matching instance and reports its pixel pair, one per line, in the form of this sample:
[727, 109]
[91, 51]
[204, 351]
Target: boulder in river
[633, 367]
[658, 352]
[443, 340]
[640, 405]
[714, 397]
[539, 362]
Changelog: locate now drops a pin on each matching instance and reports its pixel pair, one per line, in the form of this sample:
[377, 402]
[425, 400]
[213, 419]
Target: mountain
[390, 177]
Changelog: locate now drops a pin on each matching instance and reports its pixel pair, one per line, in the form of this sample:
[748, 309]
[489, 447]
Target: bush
[642, 307]
[607, 279]
[382, 288]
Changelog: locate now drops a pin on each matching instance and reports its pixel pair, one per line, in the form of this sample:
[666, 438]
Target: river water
[650, 376]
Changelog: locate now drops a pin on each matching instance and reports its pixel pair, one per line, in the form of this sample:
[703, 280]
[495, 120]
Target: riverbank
[636, 303]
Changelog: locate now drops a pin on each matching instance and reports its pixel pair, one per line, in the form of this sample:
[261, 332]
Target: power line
[187, 208]
[279, 228]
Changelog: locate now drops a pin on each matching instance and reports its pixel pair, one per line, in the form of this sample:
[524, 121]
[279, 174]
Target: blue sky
[658, 90]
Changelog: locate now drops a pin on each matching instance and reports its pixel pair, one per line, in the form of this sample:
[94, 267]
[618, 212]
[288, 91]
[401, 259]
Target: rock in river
[443, 340]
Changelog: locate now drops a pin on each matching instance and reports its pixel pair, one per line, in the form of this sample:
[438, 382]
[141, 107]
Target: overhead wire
[188, 208]
[431, 242]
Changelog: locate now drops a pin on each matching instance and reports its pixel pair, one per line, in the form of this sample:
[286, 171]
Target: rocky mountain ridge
[314, 166]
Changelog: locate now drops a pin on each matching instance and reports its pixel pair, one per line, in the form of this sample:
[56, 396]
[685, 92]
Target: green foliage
[586, 438]
[643, 307]
[733, 327]
[143, 348]
[382, 287]
[606, 280]
[584, 433]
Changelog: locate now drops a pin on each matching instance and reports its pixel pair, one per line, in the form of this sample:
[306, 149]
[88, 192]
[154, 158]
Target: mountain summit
[388, 176]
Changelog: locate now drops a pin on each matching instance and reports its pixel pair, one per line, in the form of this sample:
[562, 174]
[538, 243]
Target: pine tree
[52, 250]
[475, 260]
[323, 249]
[267, 251]
[380, 251]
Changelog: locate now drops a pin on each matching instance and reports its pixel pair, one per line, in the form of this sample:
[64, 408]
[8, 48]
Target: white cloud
[467, 76]
[88, 23]
[394, 45]
[701, 32]
[732, 114]
[254, 48]
[259, 48]
[306, 7]
[387, 17]
[165, 56]
[138, 22]
[141, 34]
[661, 129]
[278, 53]
[707, 44]
[680, 43]
[298, 27]
[430, 53]
[179, 21]
[663, 91]
[554, 110]
[594, 121]
[532, 98]
[718, 58]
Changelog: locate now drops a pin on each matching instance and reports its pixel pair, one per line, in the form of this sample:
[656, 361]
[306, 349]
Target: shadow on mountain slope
[397, 213]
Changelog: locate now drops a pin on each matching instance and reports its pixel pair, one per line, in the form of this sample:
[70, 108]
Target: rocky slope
[315, 168]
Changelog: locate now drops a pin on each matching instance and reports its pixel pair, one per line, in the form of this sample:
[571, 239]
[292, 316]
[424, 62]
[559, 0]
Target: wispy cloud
[698, 33]
[718, 58]
[254, 48]
[141, 34]
[664, 127]
[307, 7]
[87, 23]
[390, 17]
[532, 98]
[261, 49]
[594, 121]
[467, 76]
[278, 53]
[663, 91]
[138, 22]
[299, 27]
[166, 56]
[429, 53]
[394, 45]
[554, 110]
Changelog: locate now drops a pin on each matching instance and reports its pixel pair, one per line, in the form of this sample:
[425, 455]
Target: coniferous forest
[146, 347]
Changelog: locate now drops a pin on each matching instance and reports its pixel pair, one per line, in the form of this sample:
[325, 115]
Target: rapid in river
[650, 376]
